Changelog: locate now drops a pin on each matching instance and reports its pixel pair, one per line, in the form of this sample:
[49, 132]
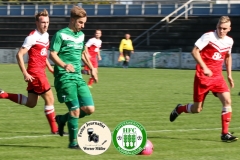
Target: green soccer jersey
[69, 46]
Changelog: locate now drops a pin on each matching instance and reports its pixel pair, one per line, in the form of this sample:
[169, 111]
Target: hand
[28, 77]
[230, 80]
[51, 70]
[99, 58]
[94, 74]
[207, 72]
[69, 68]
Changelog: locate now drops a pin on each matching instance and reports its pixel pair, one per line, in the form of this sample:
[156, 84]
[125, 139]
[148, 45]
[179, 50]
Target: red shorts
[203, 86]
[39, 85]
[94, 63]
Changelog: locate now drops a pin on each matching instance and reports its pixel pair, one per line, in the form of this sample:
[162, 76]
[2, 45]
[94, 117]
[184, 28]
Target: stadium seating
[122, 9]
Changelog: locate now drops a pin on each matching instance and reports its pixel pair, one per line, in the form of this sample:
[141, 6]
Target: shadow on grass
[186, 139]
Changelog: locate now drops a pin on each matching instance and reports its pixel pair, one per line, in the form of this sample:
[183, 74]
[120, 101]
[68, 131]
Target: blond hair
[42, 13]
[78, 12]
[224, 19]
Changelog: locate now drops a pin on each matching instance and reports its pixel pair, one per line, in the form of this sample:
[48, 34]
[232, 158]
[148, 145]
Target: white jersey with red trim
[37, 45]
[94, 46]
[213, 51]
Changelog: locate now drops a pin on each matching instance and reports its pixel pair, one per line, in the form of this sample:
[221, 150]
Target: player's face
[78, 24]
[98, 34]
[223, 29]
[42, 24]
[127, 36]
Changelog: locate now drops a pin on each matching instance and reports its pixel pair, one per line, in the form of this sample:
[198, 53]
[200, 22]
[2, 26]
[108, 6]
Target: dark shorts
[126, 53]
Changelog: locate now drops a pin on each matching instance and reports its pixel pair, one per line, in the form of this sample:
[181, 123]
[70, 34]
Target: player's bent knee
[75, 113]
[88, 109]
[31, 104]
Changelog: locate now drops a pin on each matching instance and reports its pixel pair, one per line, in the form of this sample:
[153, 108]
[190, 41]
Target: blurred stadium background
[164, 26]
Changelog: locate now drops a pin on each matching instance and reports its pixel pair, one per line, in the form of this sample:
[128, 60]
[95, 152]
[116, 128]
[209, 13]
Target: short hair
[224, 19]
[42, 13]
[98, 30]
[78, 12]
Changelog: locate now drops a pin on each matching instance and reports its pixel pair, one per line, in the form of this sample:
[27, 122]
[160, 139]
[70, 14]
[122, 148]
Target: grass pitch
[144, 95]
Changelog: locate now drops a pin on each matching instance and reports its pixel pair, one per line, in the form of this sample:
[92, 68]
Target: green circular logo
[129, 137]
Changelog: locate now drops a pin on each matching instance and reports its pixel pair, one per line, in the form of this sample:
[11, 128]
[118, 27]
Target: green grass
[143, 95]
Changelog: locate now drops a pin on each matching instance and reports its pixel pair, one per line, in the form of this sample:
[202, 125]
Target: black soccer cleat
[60, 125]
[228, 137]
[174, 114]
[64, 133]
[74, 147]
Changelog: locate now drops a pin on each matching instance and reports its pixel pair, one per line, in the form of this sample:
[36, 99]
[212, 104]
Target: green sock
[73, 130]
[82, 114]
[64, 118]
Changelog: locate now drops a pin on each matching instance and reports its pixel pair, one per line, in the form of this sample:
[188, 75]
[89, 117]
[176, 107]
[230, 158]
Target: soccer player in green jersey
[67, 50]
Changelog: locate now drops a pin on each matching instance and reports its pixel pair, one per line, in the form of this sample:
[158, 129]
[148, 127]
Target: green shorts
[74, 90]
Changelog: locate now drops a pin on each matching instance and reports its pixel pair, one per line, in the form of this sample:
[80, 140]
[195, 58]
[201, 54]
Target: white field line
[156, 131]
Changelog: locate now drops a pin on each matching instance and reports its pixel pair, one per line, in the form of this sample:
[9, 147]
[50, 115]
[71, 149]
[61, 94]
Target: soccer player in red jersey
[93, 46]
[36, 45]
[210, 51]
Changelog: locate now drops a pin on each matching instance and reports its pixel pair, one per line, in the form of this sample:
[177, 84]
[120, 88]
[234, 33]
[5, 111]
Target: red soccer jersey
[213, 51]
[37, 45]
[94, 46]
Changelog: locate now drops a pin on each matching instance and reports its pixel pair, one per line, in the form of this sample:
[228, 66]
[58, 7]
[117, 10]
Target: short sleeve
[29, 42]
[231, 44]
[56, 42]
[203, 41]
[89, 42]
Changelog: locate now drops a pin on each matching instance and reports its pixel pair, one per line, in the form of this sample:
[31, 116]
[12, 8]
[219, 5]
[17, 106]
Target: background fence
[140, 59]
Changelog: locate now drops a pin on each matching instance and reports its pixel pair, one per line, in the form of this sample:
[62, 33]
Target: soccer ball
[148, 149]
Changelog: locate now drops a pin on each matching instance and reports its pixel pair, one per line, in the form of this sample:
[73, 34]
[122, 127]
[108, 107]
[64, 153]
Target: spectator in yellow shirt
[125, 49]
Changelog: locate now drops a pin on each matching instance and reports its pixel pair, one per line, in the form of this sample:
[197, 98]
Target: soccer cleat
[74, 147]
[60, 125]
[174, 114]
[228, 137]
[64, 133]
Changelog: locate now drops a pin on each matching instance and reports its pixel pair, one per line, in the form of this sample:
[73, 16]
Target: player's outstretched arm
[198, 58]
[87, 61]
[22, 51]
[54, 57]
[228, 64]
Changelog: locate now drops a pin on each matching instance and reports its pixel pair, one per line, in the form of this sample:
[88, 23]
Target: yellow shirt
[125, 44]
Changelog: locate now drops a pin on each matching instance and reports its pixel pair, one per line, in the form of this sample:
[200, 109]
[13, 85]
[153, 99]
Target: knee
[89, 110]
[31, 104]
[75, 113]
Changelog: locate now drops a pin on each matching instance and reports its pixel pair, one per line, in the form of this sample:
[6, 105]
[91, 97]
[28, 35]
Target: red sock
[50, 114]
[90, 82]
[186, 109]
[226, 118]
[17, 98]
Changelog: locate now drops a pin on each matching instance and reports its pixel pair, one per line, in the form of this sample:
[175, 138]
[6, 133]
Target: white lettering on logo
[96, 49]
[217, 56]
[44, 52]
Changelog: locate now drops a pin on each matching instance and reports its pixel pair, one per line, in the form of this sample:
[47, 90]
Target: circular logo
[94, 137]
[129, 137]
